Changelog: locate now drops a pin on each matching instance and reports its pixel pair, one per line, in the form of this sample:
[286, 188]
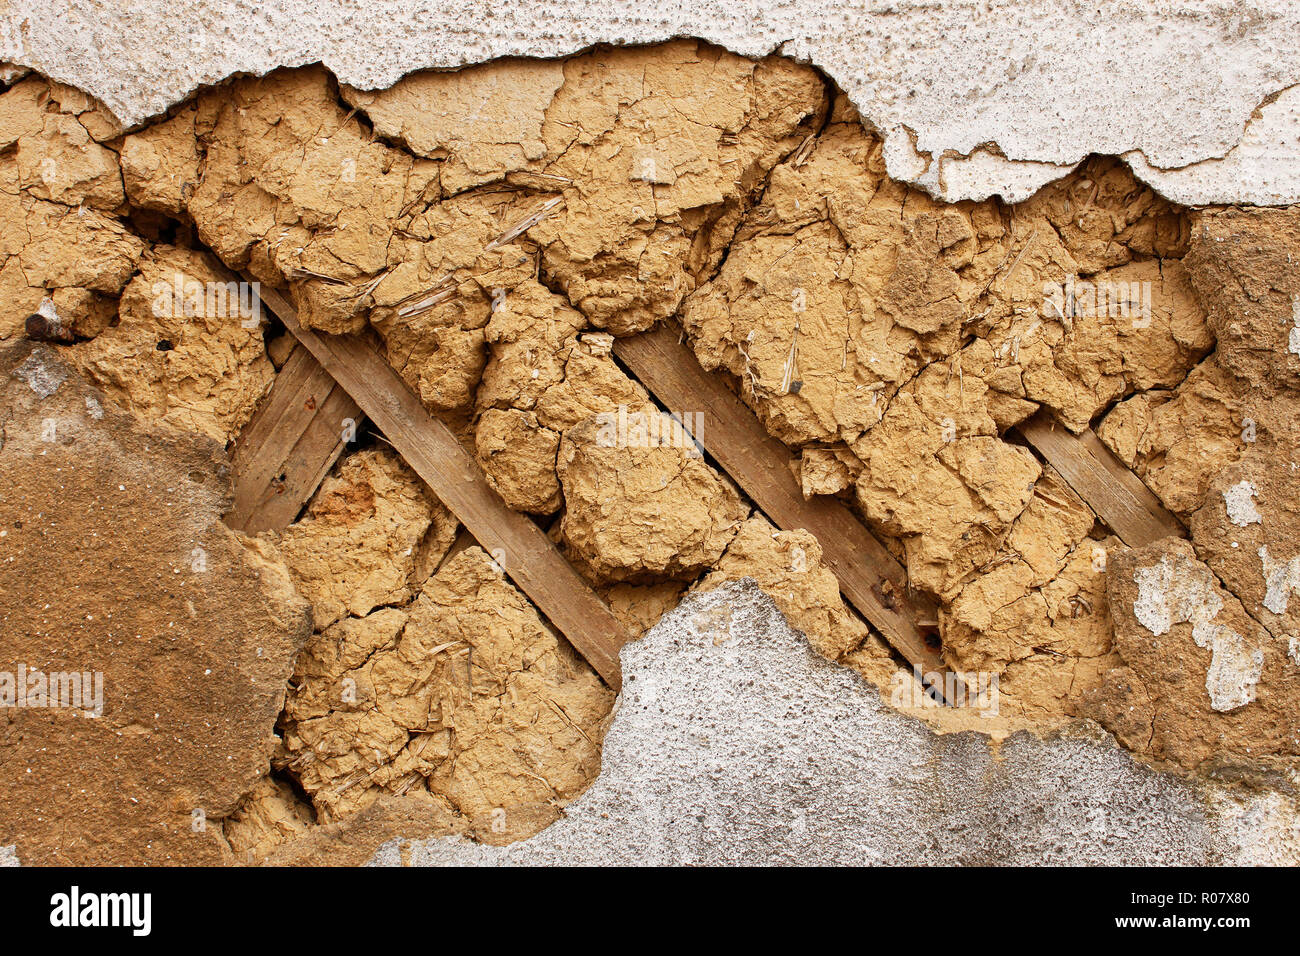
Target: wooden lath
[297, 435]
[288, 447]
[869, 576]
[1116, 494]
[522, 549]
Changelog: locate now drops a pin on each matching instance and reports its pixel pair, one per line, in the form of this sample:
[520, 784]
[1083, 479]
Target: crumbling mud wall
[494, 230]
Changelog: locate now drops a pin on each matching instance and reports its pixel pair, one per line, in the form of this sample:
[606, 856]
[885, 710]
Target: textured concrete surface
[975, 97]
[734, 743]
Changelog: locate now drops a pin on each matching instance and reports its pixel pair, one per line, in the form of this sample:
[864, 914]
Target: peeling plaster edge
[1263, 170]
[1263, 165]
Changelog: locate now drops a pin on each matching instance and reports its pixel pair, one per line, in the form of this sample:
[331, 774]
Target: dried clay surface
[493, 231]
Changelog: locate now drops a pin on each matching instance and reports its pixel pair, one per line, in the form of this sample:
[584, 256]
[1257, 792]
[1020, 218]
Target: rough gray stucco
[735, 743]
[975, 97]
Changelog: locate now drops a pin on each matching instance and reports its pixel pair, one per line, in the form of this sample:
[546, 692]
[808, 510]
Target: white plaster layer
[1281, 579]
[975, 96]
[1239, 502]
[1235, 669]
[735, 743]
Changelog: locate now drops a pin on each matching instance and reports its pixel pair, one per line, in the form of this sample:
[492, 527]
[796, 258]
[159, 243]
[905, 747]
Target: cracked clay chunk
[63, 252]
[936, 474]
[1177, 442]
[518, 456]
[371, 535]
[466, 695]
[639, 504]
[160, 164]
[1242, 264]
[654, 152]
[185, 351]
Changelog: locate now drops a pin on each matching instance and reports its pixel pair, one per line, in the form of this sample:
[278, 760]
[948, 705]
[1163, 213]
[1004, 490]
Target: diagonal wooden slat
[869, 576]
[1116, 494]
[523, 550]
[290, 444]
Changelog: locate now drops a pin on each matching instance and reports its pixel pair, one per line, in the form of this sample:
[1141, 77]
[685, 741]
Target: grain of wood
[1116, 494]
[316, 451]
[522, 549]
[869, 576]
[288, 447]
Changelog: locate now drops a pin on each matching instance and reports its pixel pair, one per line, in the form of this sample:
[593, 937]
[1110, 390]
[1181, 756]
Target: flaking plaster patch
[41, 377]
[1172, 593]
[1234, 671]
[9, 855]
[1281, 578]
[1163, 601]
[1239, 500]
[978, 176]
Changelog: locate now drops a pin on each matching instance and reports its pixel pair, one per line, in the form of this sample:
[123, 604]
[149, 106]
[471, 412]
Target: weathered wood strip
[288, 447]
[869, 576]
[523, 550]
[1117, 495]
